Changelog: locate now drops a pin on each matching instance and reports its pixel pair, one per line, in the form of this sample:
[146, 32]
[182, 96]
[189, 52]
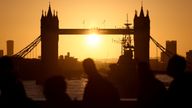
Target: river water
[75, 88]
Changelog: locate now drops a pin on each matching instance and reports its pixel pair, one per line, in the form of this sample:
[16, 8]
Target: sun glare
[93, 40]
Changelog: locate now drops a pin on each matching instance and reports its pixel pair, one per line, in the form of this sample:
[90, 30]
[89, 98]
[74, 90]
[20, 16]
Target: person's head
[176, 66]
[55, 87]
[89, 66]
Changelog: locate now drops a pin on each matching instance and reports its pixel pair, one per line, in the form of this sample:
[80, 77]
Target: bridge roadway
[96, 31]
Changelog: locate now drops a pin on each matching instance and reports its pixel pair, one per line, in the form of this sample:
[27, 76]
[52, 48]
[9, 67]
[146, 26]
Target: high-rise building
[189, 56]
[171, 48]
[10, 47]
[189, 60]
[1, 53]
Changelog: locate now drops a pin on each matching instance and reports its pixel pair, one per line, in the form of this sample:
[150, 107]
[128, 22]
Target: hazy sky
[170, 20]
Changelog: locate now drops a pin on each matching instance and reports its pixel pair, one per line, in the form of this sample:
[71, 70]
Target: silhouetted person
[152, 93]
[12, 92]
[55, 93]
[99, 92]
[180, 89]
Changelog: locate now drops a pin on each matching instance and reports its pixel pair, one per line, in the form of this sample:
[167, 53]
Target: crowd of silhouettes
[152, 92]
[99, 92]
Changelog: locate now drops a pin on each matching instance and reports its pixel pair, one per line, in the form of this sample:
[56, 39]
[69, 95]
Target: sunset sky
[170, 20]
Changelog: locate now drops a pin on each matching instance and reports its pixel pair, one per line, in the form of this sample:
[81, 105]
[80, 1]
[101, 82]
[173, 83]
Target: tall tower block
[10, 47]
[49, 38]
[142, 36]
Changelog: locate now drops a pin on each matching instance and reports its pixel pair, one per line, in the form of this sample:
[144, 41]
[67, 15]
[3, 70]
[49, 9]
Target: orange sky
[170, 20]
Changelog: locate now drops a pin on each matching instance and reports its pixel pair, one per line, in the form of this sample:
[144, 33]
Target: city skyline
[23, 24]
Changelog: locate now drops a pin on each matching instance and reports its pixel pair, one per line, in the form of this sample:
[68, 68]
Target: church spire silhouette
[49, 10]
[141, 13]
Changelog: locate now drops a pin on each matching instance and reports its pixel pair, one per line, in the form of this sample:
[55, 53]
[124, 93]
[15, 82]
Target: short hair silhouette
[89, 66]
[54, 85]
[176, 65]
[55, 92]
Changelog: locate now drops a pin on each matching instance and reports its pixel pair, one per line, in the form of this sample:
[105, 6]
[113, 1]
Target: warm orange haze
[95, 53]
[20, 21]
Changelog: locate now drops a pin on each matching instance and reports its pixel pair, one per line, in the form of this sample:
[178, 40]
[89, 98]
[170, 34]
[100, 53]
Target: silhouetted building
[69, 66]
[171, 48]
[189, 60]
[69, 58]
[142, 36]
[189, 56]
[164, 57]
[49, 38]
[61, 57]
[1, 53]
[10, 47]
[154, 64]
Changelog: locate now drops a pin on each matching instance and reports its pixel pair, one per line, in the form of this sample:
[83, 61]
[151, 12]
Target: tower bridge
[49, 38]
[126, 74]
[50, 31]
[98, 31]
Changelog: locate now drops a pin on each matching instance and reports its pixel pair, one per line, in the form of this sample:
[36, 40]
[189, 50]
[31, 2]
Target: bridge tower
[142, 36]
[49, 38]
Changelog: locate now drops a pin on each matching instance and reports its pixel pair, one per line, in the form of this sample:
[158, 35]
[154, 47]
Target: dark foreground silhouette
[180, 90]
[152, 92]
[12, 92]
[55, 93]
[99, 93]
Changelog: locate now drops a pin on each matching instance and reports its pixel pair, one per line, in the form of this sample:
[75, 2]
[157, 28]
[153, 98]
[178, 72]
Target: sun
[93, 40]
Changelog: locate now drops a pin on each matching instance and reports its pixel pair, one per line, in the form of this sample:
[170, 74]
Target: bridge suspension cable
[28, 48]
[33, 44]
[163, 49]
